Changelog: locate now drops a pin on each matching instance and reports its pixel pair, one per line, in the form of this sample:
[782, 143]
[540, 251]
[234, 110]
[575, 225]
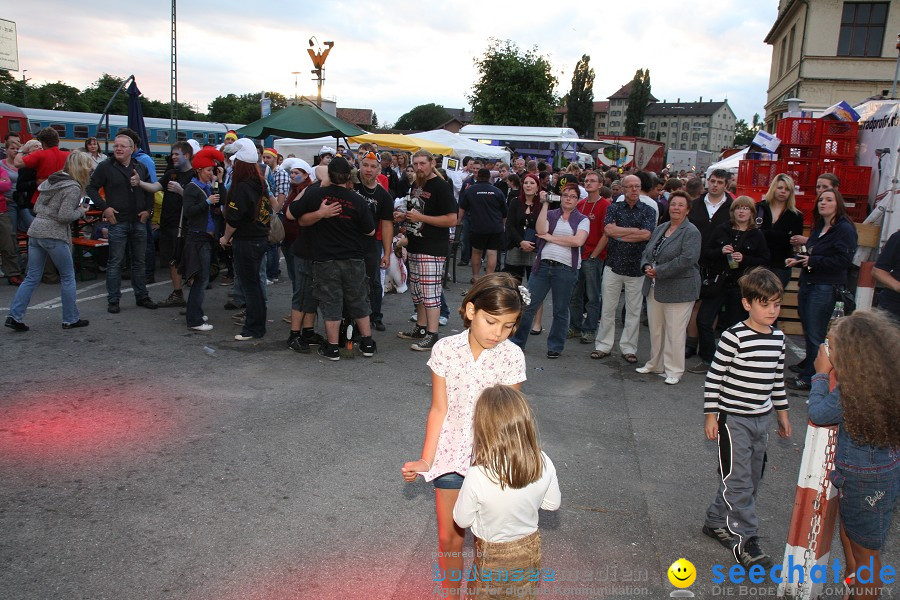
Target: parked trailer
[623, 152]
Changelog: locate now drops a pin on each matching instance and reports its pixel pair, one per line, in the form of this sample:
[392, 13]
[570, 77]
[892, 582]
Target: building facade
[825, 51]
[697, 125]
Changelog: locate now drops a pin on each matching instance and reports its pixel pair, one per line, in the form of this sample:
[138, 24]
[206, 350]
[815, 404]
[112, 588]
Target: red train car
[13, 120]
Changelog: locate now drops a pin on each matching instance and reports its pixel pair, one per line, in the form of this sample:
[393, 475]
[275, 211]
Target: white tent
[730, 164]
[305, 149]
[463, 146]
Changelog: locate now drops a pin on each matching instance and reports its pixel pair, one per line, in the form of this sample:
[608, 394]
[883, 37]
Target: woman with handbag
[732, 248]
[521, 232]
[779, 219]
[823, 274]
[671, 285]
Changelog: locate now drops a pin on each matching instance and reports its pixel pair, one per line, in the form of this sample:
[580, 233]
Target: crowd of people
[702, 263]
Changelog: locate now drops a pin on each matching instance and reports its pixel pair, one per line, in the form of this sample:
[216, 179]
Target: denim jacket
[825, 409]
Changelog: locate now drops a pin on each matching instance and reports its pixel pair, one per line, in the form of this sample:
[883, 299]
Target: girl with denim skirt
[462, 366]
[510, 479]
[861, 351]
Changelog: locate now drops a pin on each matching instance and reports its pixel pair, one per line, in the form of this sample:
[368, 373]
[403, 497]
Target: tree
[744, 134]
[232, 108]
[57, 96]
[513, 87]
[638, 101]
[11, 88]
[580, 99]
[423, 118]
[374, 120]
[97, 94]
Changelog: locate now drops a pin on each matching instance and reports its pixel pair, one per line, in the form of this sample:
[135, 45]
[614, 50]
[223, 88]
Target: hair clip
[526, 295]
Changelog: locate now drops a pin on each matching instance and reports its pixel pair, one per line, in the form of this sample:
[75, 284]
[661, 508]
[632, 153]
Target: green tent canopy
[300, 121]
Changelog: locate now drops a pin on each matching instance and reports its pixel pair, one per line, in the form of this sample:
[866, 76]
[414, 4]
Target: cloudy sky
[391, 56]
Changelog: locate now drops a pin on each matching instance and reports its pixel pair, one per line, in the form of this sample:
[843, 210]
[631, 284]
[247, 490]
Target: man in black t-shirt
[485, 206]
[340, 222]
[173, 183]
[378, 251]
[430, 213]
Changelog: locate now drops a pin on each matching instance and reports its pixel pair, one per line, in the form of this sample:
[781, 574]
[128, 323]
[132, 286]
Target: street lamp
[295, 74]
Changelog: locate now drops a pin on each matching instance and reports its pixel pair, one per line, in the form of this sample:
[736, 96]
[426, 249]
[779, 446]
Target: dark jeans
[272, 265]
[133, 236]
[559, 280]
[815, 302]
[373, 272]
[710, 308]
[587, 297]
[465, 241]
[198, 287]
[150, 255]
[248, 257]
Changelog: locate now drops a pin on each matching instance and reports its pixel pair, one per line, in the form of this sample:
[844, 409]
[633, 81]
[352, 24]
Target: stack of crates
[810, 147]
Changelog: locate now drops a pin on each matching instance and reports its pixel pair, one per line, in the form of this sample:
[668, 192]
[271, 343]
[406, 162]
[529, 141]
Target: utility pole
[24, 89]
[173, 81]
[318, 58]
[295, 74]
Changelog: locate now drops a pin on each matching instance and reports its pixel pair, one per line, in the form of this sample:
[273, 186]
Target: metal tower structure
[173, 110]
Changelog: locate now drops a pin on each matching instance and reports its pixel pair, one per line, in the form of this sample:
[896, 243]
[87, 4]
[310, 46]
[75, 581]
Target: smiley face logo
[682, 573]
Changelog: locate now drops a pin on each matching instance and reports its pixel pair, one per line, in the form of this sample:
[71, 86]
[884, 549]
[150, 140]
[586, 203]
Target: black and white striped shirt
[746, 376]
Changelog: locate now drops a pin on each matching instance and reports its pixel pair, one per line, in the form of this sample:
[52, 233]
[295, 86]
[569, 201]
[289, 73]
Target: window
[181, 136]
[59, 128]
[101, 133]
[783, 52]
[684, 146]
[35, 126]
[15, 126]
[862, 28]
[696, 138]
[199, 136]
[662, 136]
[684, 138]
[693, 146]
[790, 52]
[685, 125]
[162, 136]
[81, 132]
[653, 125]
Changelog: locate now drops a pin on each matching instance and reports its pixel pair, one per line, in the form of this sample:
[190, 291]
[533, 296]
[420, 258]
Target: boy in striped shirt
[745, 382]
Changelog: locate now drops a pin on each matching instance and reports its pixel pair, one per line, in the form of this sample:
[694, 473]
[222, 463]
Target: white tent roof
[519, 134]
[463, 146]
[730, 164]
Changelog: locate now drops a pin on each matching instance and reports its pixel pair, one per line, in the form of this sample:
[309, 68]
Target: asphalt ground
[140, 460]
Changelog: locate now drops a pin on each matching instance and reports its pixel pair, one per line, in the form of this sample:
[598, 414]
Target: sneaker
[174, 299]
[552, 354]
[672, 380]
[16, 325]
[315, 339]
[413, 317]
[442, 320]
[269, 282]
[416, 333]
[203, 327]
[587, 337]
[720, 534]
[112, 308]
[752, 554]
[700, 367]
[572, 333]
[378, 325]
[226, 281]
[147, 303]
[15, 280]
[76, 324]
[368, 348]
[243, 338]
[298, 344]
[427, 342]
[286, 319]
[798, 384]
[644, 370]
[240, 316]
[329, 352]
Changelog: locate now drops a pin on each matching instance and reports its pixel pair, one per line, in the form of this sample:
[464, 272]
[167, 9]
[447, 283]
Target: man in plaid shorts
[430, 213]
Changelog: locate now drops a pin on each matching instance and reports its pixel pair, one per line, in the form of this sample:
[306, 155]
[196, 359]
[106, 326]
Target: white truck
[688, 161]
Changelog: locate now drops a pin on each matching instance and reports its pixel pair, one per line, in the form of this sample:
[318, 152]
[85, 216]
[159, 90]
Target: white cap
[245, 151]
[327, 150]
[195, 145]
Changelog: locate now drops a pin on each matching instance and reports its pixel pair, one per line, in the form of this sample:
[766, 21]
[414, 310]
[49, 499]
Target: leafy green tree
[423, 118]
[638, 101]
[513, 87]
[580, 99]
[97, 94]
[11, 88]
[245, 108]
[744, 133]
[57, 96]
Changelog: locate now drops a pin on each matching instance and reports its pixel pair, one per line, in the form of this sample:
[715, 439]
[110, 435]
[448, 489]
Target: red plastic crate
[798, 131]
[837, 147]
[756, 193]
[802, 170]
[785, 151]
[832, 128]
[857, 208]
[854, 180]
[757, 173]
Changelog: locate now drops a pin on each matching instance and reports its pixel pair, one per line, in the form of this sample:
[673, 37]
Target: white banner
[878, 147]
[9, 48]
